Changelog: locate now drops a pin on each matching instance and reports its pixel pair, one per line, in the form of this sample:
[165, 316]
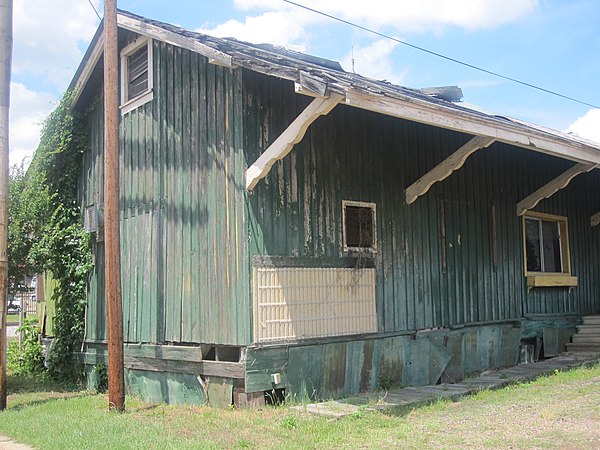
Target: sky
[553, 44]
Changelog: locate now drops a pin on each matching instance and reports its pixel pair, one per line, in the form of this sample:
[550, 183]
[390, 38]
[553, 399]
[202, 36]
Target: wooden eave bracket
[595, 219]
[444, 169]
[466, 122]
[552, 187]
[290, 137]
[147, 29]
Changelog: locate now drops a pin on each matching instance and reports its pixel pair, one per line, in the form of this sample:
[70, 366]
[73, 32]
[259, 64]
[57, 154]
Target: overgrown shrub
[30, 360]
[48, 234]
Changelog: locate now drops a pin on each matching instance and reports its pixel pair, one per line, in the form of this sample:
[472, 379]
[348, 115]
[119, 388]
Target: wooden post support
[6, 40]
[112, 256]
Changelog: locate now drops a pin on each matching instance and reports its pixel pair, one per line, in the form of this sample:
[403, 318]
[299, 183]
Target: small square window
[546, 244]
[359, 230]
[136, 74]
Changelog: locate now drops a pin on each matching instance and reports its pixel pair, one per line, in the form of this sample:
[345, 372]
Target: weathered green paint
[349, 366]
[296, 211]
[184, 259]
[191, 233]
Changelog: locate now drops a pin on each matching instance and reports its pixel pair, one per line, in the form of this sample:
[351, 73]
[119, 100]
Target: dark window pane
[532, 245]
[137, 72]
[359, 227]
[551, 246]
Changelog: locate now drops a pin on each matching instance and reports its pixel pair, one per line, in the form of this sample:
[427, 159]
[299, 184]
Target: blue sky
[551, 43]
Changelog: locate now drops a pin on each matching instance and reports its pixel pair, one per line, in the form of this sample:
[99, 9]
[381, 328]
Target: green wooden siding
[190, 230]
[184, 261]
[356, 155]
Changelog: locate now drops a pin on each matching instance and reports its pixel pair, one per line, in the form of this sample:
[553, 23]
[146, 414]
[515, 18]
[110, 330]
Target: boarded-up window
[359, 226]
[546, 244]
[136, 74]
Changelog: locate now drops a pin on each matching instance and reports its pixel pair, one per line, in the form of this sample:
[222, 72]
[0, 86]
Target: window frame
[148, 94]
[546, 279]
[370, 205]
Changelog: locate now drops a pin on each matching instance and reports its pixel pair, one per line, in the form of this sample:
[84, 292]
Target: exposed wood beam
[290, 137]
[552, 187]
[97, 52]
[443, 170]
[147, 29]
[469, 122]
[596, 219]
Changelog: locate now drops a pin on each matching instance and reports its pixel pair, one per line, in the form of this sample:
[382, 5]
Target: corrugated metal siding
[423, 279]
[184, 261]
[301, 303]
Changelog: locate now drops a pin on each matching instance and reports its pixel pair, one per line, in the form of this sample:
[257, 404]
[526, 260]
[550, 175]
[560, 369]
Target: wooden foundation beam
[290, 137]
[444, 169]
[552, 187]
[596, 219]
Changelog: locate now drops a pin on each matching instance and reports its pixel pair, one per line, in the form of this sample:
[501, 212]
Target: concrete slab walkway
[7, 443]
[413, 396]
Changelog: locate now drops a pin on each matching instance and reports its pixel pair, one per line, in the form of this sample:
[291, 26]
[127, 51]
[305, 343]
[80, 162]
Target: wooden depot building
[289, 226]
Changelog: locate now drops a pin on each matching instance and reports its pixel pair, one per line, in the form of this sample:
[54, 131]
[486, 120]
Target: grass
[561, 410]
[11, 318]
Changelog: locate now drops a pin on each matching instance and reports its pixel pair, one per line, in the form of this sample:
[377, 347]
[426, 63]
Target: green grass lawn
[562, 410]
[11, 318]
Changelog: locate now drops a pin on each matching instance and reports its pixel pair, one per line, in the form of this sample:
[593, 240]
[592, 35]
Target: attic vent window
[136, 74]
[359, 226]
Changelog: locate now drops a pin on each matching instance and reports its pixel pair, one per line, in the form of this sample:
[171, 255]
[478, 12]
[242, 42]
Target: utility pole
[112, 250]
[6, 40]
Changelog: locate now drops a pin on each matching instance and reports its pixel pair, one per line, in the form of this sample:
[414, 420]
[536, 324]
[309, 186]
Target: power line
[439, 55]
[95, 10]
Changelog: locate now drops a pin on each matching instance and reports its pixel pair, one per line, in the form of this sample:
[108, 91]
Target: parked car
[14, 304]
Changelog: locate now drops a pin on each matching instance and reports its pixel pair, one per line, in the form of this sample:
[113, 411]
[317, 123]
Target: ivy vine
[47, 231]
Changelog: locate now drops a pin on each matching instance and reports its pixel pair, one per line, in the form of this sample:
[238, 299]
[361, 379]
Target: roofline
[358, 92]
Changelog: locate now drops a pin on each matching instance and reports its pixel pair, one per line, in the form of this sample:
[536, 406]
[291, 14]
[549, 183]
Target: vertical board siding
[357, 155]
[182, 227]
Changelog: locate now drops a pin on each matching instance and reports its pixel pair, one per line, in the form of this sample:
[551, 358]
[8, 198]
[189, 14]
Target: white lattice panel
[299, 303]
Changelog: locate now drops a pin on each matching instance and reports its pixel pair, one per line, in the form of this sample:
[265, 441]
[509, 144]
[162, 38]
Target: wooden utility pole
[112, 250]
[6, 40]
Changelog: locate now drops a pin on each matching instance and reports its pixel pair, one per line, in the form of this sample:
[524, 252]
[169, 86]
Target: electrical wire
[439, 55]
[95, 10]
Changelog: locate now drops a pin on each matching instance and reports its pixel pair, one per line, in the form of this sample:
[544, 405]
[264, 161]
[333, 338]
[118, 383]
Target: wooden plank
[291, 136]
[552, 187]
[147, 29]
[206, 368]
[444, 169]
[551, 280]
[220, 393]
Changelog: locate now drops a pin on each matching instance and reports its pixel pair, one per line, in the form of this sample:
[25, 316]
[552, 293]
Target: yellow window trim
[549, 279]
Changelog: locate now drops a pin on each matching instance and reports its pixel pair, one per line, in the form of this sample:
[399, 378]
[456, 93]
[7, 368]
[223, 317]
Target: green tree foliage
[47, 231]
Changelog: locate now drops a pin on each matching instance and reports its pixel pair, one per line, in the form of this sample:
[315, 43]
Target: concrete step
[591, 320]
[576, 347]
[587, 338]
[588, 329]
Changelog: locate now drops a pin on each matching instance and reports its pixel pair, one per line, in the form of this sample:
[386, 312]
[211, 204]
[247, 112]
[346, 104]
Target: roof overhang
[350, 89]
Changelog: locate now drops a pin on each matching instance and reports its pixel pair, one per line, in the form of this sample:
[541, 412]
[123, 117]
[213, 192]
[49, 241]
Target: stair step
[587, 338]
[588, 329]
[575, 347]
[591, 320]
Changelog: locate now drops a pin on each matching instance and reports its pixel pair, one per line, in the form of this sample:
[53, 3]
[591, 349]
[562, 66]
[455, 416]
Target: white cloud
[49, 36]
[28, 109]
[374, 61]
[405, 16]
[272, 27]
[587, 126]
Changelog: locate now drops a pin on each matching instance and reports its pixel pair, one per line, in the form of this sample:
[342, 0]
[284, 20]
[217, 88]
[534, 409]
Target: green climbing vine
[47, 231]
